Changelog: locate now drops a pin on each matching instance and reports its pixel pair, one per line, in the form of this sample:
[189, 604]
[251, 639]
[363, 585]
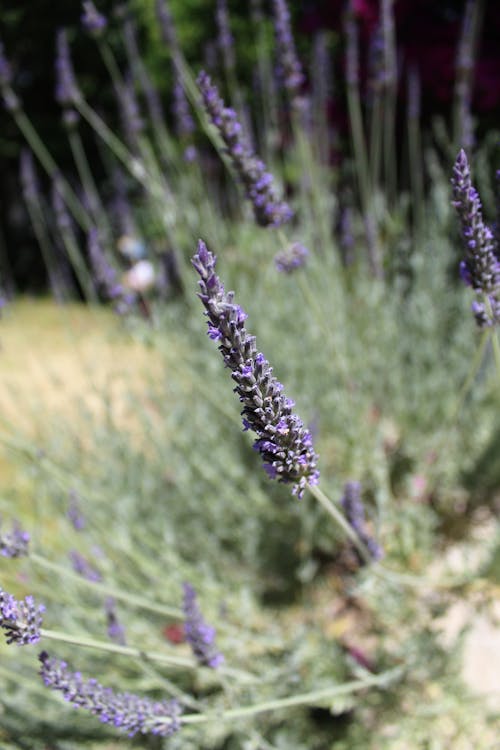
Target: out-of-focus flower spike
[289, 66]
[93, 22]
[258, 183]
[14, 543]
[355, 514]
[199, 635]
[127, 712]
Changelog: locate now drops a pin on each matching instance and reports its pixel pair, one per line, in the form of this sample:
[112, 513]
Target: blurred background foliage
[427, 34]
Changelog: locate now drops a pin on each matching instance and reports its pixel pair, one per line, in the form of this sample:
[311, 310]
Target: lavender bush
[167, 582]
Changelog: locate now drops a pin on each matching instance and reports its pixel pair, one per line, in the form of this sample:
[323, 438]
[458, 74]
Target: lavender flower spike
[20, 620]
[128, 712]
[15, 543]
[282, 440]
[93, 21]
[66, 91]
[289, 260]
[290, 67]
[481, 267]
[199, 635]
[355, 514]
[268, 209]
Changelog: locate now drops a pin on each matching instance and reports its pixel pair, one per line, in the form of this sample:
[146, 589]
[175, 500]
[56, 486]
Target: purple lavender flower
[66, 91]
[167, 27]
[268, 209]
[14, 543]
[290, 67]
[74, 512]
[116, 631]
[282, 440]
[106, 276]
[225, 39]
[5, 69]
[184, 123]
[83, 567]
[132, 122]
[355, 514]
[20, 620]
[294, 257]
[199, 635]
[150, 93]
[93, 22]
[464, 75]
[130, 713]
[480, 268]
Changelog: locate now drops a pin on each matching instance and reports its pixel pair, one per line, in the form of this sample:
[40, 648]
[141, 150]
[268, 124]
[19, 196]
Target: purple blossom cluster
[480, 268]
[106, 276]
[283, 442]
[5, 69]
[14, 543]
[66, 91]
[83, 567]
[258, 183]
[93, 22]
[290, 67]
[225, 39]
[294, 257]
[20, 620]
[355, 514]
[199, 635]
[74, 512]
[130, 713]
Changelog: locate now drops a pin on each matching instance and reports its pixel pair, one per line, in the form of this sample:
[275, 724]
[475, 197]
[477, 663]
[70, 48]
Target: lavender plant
[150, 457]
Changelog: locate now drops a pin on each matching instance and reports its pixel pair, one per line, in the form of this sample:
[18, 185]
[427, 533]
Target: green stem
[473, 370]
[102, 588]
[87, 178]
[157, 657]
[44, 157]
[340, 520]
[115, 648]
[302, 699]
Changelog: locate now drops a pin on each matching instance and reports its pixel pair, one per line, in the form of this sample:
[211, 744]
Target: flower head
[480, 268]
[66, 88]
[5, 69]
[20, 620]
[199, 635]
[106, 276]
[282, 440]
[290, 67]
[258, 183]
[83, 567]
[292, 258]
[130, 713]
[14, 543]
[355, 514]
[93, 21]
